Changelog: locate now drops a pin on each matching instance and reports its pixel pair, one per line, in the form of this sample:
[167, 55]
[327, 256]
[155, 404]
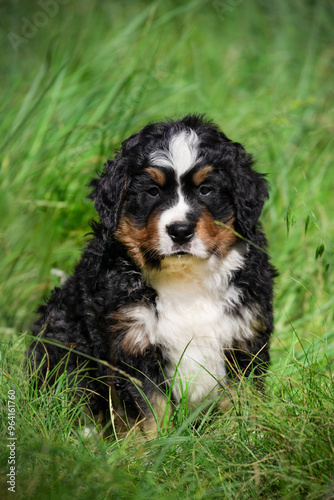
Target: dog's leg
[160, 416]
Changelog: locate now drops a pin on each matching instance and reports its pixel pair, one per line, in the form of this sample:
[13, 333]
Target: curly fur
[160, 281]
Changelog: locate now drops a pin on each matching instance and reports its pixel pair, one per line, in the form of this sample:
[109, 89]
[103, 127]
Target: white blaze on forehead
[181, 154]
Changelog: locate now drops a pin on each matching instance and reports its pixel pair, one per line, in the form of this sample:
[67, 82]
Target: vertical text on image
[11, 475]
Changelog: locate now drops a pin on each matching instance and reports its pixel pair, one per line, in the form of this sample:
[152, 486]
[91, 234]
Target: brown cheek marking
[141, 243]
[216, 238]
[201, 175]
[157, 175]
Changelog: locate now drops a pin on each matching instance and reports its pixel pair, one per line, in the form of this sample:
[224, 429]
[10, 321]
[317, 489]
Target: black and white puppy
[174, 287]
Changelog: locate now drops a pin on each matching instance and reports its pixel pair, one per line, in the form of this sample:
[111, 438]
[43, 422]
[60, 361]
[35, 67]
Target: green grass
[92, 75]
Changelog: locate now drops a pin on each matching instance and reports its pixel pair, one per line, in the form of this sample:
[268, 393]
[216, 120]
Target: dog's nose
[181, 232]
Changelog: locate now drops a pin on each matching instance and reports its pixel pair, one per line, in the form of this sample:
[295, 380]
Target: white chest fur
[193, 325]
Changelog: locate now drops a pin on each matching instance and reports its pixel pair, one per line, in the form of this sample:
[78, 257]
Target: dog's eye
[154, 192]
[205, 190]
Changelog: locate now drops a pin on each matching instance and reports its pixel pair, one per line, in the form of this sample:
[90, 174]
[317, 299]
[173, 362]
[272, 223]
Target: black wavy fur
[79, 313]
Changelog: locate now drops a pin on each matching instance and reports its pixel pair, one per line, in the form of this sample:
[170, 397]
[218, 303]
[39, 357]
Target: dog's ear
[250, 192]
[109, 187]
[108, 191]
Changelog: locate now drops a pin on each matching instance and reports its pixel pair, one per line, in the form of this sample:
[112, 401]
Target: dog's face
[169, 186]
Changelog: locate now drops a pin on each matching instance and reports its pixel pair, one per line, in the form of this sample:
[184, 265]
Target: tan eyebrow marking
[157, 175]
[201, 175]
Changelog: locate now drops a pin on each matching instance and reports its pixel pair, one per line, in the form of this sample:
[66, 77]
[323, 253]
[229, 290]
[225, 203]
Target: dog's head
[169, 185]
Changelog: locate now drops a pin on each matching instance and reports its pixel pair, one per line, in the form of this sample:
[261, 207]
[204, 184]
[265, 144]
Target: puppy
[173, 294]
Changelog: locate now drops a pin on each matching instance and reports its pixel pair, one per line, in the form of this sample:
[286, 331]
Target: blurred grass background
[78, 77]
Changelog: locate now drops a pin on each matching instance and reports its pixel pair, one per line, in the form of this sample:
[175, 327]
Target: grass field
[78, 77]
